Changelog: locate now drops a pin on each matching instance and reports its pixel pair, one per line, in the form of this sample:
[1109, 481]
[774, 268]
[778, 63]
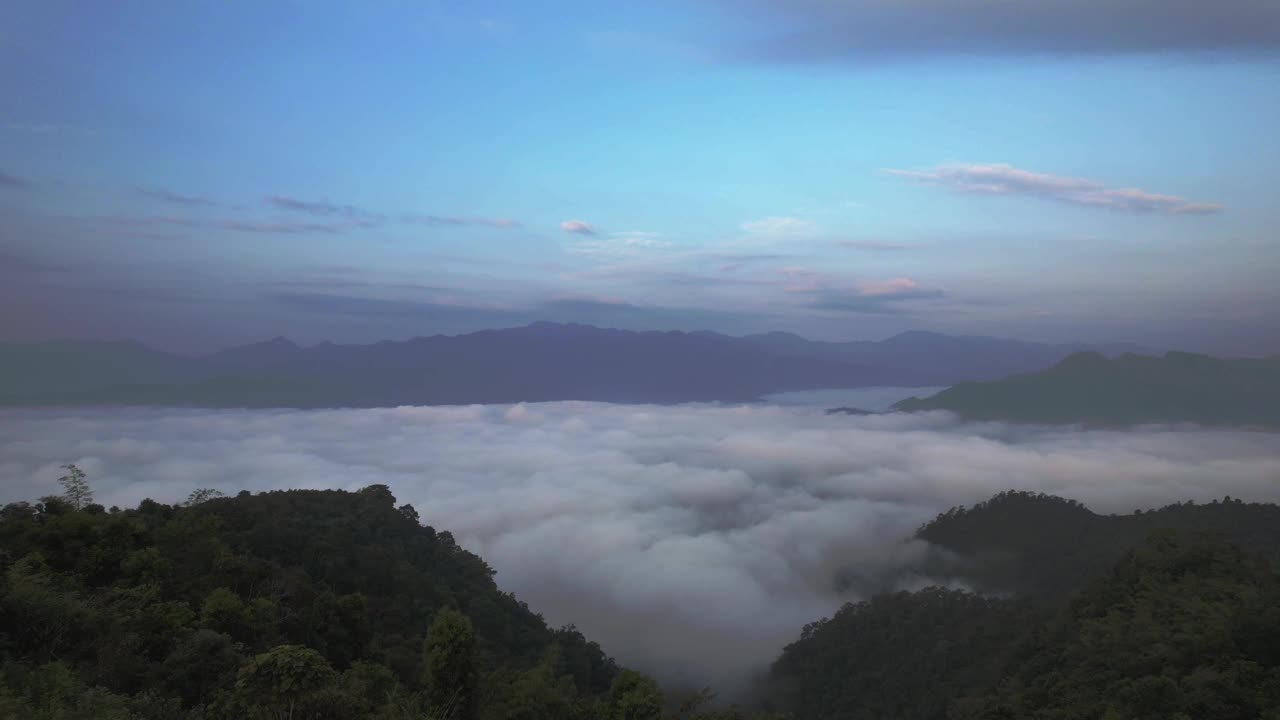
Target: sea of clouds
[690, 541]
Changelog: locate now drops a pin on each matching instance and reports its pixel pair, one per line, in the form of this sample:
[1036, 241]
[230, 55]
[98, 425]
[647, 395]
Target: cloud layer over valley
[690, 541]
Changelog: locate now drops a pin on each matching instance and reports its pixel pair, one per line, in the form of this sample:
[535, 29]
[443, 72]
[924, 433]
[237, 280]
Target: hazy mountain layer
[538, 362]
[1088, 387]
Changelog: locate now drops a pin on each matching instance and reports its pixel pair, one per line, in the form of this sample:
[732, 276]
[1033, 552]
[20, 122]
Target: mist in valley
[692, 542]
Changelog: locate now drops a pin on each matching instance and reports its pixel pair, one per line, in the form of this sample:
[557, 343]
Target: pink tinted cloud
[578, 227]
[1001, 179]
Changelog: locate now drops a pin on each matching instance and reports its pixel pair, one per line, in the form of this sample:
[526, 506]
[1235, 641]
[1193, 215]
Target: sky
[199, 173]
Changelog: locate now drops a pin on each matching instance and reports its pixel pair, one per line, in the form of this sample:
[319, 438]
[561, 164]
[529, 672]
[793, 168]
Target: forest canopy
[339, 605]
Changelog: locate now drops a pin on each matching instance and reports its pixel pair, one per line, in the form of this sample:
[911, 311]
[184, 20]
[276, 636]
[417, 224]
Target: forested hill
[1046, 546]
[1088, 387]
[305, 604]
[1179, 628]
[1165, 614]
[331, 605]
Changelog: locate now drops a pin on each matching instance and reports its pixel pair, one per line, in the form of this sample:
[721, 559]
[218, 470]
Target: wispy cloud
[851, 30]
[179, 198]
[731, 262]
[146, 221]
[379, 307]
[1000, 179]
[13, 182]
[876, 245]
[620, 245]
[285, 228]
[368, 218]
[578, 227]
[244, 226]
[318, 207]
[780, 225]
[823, 291]
[11, 263]
[665, 276]
[419, 219]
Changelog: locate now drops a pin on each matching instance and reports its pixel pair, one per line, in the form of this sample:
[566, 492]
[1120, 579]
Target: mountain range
[538, 362]
[1091, 388]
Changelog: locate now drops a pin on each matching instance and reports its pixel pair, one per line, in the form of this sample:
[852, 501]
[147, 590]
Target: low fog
[692, 542]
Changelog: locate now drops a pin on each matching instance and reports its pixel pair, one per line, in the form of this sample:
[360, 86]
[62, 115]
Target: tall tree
[449, 668]
[75, 488]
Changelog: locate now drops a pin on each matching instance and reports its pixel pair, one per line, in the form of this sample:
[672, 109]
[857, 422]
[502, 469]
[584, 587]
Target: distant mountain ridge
[538, 362]
[1088, 387]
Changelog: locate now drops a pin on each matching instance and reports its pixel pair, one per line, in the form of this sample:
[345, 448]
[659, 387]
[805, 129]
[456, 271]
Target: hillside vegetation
[1172, 614]
[298, 604]
[332, 605]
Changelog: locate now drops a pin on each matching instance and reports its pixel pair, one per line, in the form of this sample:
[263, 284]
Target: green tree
[369, 685]
[202, 495]
[75, 487]
[534, 694]
[54, 692]
[288, 682]
[44, 610]
[634, 696]
[223, 611]
[449, 667]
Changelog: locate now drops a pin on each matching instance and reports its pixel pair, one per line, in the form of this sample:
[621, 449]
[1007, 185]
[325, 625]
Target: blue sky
[200, 173]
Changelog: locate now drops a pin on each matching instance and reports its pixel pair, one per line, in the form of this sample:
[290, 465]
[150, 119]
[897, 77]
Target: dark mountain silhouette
[538, 362]
[67, 366]
[275, 353]
[946, 359]
[1088, 387]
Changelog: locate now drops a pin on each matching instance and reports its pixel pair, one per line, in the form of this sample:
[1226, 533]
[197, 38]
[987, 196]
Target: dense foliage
[900, 655]
[1181, 628]
[330, 605]
[1185, 626]
[1088, 387]
[297, 604]
[1049, 547]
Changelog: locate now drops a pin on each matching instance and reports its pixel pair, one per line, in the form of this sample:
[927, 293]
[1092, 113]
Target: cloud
[872, 298]
[449, 220]
[616, 313]
[999, 179]
[443, 308]
[18, 264]
[244, 226]
[367, 218]
[783, 225]
[579, 227]
[691, 541]
[321, 207]
[620, 244]
[828, 292]
[852, 30]
[876, 245]
[384, 308]
[147, 221]
[13, 182]
[179, 199]
[287, 228]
